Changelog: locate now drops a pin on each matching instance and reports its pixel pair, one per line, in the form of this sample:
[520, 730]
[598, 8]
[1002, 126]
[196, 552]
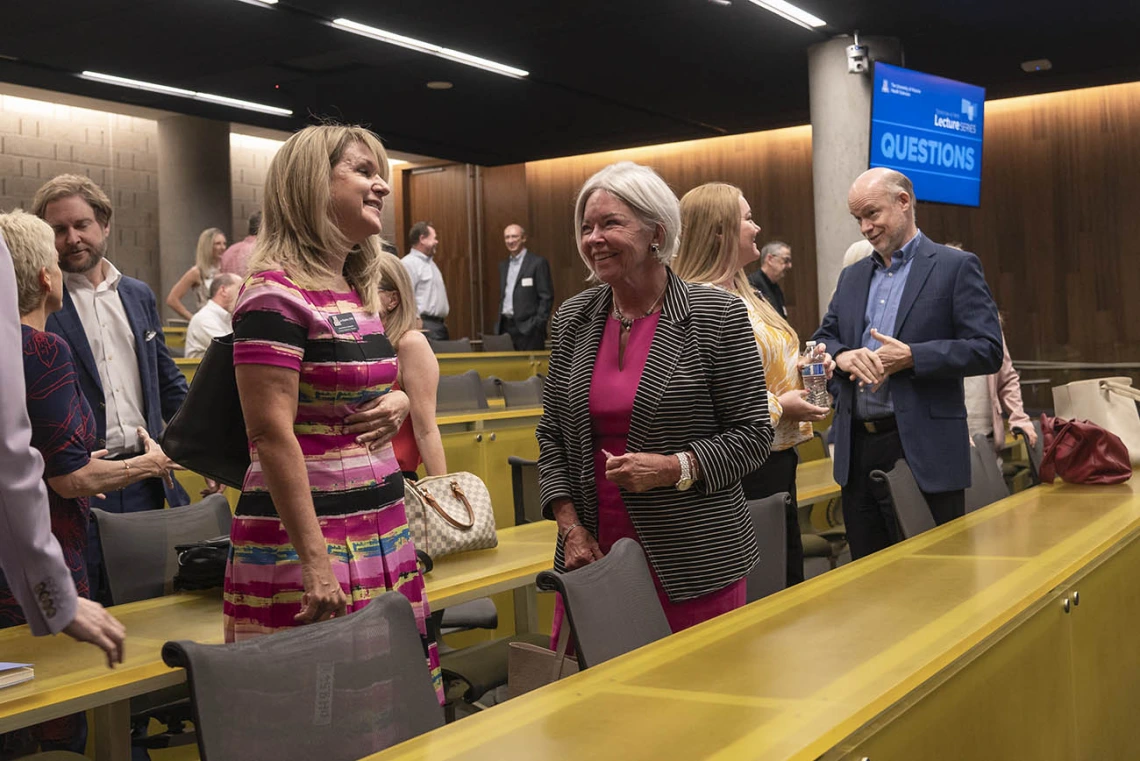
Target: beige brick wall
[249, 161]
[39, 140]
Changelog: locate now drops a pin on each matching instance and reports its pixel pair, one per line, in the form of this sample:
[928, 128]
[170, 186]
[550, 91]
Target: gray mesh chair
[343, 688]
[498, 342]
[987, 485]
[138, 548]
[140, 562]
[527, 393]
[911, 511]
[460, 393]
[611, 604]
[458, 346]
[770, 574]
[1035, 452]
[524, 483]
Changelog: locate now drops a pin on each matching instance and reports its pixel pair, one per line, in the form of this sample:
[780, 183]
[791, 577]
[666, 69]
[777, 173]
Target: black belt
[432, 317]
[879, 425]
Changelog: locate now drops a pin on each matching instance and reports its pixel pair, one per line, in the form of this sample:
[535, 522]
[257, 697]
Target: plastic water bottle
[815, 379]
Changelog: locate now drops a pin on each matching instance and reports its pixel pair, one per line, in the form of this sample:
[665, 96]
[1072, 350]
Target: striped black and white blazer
[702, 390]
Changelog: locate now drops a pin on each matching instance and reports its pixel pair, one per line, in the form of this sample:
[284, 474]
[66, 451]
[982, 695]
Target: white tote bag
[1108, 402]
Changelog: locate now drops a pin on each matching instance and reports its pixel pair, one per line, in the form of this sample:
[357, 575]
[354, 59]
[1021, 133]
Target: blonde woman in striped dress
[718, 239]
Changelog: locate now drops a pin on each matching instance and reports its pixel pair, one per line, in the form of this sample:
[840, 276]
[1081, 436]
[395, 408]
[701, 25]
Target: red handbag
[1081, 452]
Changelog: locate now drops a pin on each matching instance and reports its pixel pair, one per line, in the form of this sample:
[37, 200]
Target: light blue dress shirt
[514, 264]
[883, 299]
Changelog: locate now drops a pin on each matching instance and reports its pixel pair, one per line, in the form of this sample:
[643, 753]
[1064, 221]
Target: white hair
[857, 251]
[642, 190]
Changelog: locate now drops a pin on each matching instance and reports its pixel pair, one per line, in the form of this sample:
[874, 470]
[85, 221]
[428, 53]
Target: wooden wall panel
[444, 197]
[773, 169]
[503, 199]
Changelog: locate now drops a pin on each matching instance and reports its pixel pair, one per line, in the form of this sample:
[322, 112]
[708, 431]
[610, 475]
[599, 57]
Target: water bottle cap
[810, 344]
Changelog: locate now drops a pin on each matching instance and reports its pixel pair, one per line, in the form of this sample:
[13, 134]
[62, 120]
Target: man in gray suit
[29, 555]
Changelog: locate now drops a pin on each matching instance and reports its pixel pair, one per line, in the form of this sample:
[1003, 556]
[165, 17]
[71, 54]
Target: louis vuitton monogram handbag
[450, 514]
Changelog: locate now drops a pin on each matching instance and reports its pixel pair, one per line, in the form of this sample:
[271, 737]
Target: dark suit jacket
[30, 554]
[948, 318]
[164, 385]
[702, 390]
[532, 303]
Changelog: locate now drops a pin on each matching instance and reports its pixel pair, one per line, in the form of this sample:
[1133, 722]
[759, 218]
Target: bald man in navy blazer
[905, 326]
[29, 554]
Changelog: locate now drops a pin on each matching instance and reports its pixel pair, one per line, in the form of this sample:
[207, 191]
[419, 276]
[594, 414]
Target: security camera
[858, 58]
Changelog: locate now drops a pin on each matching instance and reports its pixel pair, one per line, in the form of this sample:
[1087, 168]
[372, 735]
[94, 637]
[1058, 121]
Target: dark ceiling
[603, 73]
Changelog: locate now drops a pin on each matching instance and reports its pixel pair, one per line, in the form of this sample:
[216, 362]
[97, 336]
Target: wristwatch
[686, 480]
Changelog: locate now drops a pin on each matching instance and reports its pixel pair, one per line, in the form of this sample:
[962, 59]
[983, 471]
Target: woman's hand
[323, 598]
[820, 354]
[158, 460]
[797, 408]
[378, 420]
[1030, 433]
[641, 471]
[580, 548]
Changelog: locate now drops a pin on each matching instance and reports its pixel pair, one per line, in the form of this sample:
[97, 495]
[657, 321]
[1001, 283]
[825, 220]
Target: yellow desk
[505, 365]
[815, 482]
[72, 677]
[952, 645]
[175, 335]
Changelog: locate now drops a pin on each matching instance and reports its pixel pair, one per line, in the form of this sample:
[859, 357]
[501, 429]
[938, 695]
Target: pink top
[235, 259]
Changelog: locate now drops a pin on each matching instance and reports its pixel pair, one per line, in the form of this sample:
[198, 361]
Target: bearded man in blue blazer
[112, 325]
[905, 326]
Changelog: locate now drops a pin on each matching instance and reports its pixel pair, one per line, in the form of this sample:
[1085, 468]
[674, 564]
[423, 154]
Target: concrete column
[194, 192]
[840, 146]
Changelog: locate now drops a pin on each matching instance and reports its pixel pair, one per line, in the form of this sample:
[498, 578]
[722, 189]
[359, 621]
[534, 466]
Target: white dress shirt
[979, 406]
[431, 294]
[113, 345]
[208, 323]
[514, 264]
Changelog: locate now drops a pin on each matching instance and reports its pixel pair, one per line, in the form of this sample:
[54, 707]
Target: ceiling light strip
[137, 84]
[431, 49]
[786, 10]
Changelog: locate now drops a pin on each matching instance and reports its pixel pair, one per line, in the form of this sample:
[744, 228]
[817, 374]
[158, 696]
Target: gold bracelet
[127, 465]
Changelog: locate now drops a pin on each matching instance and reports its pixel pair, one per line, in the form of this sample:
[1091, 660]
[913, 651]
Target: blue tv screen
[930, 129]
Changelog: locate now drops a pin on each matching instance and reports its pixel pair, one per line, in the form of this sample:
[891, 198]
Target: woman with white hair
[654, 407]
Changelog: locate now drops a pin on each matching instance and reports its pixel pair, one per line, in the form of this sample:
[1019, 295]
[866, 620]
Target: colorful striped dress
[344, 360]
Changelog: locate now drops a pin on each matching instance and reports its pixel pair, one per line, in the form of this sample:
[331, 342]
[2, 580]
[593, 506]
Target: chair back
[986, 482]
[527, 393]
[1035, 452]
[611, 604]
[492, 387]
[138, 548]
[347, 687]
[911, 510]
[498, 342]
[460, 393]
[524, 481]
[770, 574]
[458, 346]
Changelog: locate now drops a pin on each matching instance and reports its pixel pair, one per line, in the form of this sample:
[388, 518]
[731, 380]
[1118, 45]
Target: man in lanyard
[905, 326]
[525, 293]
[427, 280]
[112, 325]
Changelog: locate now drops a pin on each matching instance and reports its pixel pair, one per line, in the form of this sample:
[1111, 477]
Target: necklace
[627, 322]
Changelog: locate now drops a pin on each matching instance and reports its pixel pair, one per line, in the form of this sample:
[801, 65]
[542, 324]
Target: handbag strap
[1120, 388]
[560, 652]
[430, 500]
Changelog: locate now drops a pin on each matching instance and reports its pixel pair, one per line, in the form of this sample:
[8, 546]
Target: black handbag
[207, 433]
[202, 565]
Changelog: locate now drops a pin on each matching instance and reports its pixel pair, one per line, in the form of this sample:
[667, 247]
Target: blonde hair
[644, 192]
[298, 226]
[710, 241]
[32, 244]
[67, 185]
[394, 277]
[204, 258]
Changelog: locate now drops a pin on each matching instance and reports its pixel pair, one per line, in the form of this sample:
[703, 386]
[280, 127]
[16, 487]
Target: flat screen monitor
[930, 129]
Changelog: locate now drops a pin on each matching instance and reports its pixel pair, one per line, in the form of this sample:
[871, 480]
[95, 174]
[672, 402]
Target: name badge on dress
[527, 282]
[343, 323]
